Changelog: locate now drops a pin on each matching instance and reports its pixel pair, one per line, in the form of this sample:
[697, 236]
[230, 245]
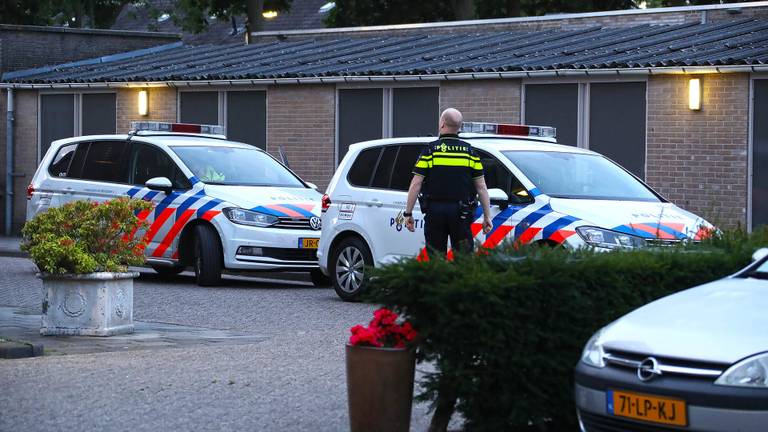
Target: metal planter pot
[380, 388]
[92, 304]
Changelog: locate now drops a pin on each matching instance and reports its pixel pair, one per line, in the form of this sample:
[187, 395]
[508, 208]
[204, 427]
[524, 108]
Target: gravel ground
[292, 381]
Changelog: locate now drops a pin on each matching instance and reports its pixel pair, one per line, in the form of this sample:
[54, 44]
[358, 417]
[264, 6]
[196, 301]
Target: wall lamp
[694, 94]
[143, 102]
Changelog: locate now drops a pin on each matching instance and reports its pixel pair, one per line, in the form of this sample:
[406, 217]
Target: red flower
[383, 331]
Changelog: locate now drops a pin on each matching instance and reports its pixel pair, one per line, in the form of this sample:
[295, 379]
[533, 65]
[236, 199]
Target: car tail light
[30, 191]
[326, 202]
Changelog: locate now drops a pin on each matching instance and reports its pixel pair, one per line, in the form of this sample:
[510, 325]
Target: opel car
[695, 360]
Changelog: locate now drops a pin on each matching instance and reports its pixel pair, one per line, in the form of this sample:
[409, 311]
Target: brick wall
[162, 106]
[25, 47]
[698, 159]
[492, 100]
[302, 120]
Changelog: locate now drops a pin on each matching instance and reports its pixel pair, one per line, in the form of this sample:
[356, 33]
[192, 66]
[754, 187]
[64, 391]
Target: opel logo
[315, 222]
[648, 369]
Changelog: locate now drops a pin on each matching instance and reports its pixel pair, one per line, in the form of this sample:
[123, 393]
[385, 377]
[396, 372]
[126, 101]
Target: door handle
[375, 202]
[68, 190]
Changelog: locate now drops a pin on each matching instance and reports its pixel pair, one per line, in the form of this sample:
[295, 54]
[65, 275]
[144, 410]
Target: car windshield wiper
[757, 274]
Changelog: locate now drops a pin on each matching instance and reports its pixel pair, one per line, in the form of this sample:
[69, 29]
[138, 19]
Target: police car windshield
[580, 176]
[235, 166]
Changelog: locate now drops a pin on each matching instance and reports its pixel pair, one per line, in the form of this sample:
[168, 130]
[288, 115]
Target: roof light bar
[509, 129]
[138, 126]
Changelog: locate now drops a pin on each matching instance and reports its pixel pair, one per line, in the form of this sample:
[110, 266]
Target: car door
[386, 199]
[147, 161]
[509, 219]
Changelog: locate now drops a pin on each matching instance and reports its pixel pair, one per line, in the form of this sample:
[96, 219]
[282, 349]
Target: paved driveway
[288, 377]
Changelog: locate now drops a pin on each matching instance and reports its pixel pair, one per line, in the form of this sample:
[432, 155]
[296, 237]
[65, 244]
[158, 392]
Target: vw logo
[315, 222]
[648, 369]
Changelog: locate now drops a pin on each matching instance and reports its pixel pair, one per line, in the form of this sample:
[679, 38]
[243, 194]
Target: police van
[218, 205]
[541, 192]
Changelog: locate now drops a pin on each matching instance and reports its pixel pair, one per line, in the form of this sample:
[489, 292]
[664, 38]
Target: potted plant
[380, 372]
[83, 250]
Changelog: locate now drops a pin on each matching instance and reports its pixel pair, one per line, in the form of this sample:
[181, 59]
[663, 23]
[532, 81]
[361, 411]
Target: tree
[70, 13]
[194, 12]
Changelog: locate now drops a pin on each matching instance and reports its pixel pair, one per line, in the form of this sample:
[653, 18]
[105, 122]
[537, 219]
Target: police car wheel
[167, 271]
[349, 261]
[208, 256]
[319, 279]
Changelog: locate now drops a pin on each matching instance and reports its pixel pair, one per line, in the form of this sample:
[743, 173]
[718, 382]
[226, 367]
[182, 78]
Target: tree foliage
[192, 15]
[69, 13]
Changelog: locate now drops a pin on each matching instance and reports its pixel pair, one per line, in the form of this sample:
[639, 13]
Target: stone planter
[380, 388]
[92, 304]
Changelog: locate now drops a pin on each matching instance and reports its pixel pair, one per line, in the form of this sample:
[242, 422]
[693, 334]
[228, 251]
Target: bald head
[450, 121]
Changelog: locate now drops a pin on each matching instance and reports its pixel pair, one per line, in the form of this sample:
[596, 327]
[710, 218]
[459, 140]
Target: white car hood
[291, 202]
[644, 219]
[722, 321]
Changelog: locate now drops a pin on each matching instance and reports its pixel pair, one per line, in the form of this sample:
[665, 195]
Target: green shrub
[85, 236]
[506, 329]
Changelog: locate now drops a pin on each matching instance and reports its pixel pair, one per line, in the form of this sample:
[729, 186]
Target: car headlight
[593, 351]
[751, 372]
[248, 217]
[604, 238]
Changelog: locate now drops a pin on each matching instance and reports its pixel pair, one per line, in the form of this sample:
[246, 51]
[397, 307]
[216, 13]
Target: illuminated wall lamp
[694, 94]
[143, 102]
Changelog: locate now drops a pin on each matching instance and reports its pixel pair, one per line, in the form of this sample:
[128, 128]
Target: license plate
[648, 408]
[308, 243]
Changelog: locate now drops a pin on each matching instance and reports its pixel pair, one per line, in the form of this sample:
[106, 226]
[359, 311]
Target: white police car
[540, 192]
[219, 205]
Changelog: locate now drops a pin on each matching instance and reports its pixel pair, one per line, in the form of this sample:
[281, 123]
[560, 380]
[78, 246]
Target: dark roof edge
[561, 73]
[96, 32]
[103, 59]
[554, 17]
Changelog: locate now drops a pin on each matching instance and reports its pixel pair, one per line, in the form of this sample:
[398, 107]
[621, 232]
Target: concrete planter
[92, 304]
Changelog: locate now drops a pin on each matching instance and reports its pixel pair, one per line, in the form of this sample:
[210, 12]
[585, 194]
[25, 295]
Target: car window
[60, 165]
[148, 162]
[579, 176]
[403, 171]
[104, 161]
[384, 168]
[236, 166]
[498, 176]
[362, 169]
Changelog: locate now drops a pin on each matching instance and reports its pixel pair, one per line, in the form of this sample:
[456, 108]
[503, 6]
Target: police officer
[454, 176]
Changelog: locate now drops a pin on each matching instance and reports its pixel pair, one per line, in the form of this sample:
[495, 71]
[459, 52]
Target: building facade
[712, 160]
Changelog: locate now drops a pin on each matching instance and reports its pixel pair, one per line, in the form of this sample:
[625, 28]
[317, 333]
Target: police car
[218, 205]
[541, 192]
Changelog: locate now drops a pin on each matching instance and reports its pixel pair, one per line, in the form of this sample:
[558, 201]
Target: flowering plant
[386, 329]
[85, 236]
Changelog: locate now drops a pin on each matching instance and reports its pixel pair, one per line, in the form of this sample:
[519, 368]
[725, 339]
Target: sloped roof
[304, 14]
[743, 42]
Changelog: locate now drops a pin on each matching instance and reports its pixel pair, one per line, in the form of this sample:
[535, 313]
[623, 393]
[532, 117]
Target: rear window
[61, 162]
[362, 169]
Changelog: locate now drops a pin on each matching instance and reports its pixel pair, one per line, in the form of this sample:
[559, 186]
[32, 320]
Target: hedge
[506, 329]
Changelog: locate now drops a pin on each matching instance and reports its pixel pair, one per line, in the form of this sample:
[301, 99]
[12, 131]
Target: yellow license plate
[308, 243]
[648, 408]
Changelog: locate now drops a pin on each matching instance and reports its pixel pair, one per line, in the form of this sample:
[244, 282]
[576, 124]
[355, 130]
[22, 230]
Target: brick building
[614, 82]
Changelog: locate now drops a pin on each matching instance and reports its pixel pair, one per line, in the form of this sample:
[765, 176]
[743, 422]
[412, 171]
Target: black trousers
[444, 219]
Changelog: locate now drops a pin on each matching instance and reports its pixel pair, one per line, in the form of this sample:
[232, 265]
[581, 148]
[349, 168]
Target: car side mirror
[160, 184]
[498, 197]
[759, 254]
[312, 185]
